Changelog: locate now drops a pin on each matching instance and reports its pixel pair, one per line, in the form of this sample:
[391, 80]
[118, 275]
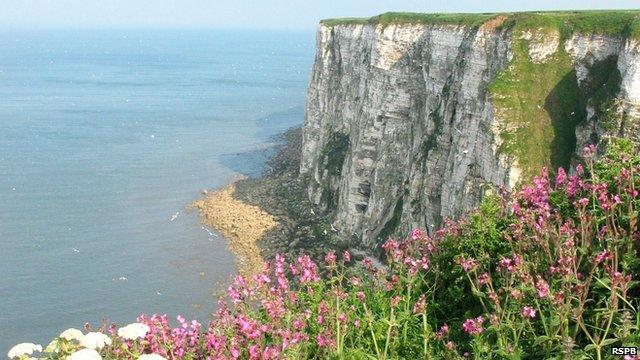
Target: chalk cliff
[412, 119]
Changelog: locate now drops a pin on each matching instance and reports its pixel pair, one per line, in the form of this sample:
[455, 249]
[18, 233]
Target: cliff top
[624, 22]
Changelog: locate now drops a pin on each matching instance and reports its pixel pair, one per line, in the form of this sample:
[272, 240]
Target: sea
[105, 137]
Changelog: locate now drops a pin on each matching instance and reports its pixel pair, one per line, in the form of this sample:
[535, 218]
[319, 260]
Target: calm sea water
[105, 136]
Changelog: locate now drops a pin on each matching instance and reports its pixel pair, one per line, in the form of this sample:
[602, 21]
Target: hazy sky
[300, 14]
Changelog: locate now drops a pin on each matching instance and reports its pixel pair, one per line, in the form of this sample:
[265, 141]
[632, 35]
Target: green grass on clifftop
[413, 18]
[625, 22]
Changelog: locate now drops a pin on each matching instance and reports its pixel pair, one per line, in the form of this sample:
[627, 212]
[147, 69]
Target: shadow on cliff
[566, 108]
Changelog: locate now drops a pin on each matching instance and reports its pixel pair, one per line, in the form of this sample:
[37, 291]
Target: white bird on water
[209, 232]
[76, 250]
[175, 216]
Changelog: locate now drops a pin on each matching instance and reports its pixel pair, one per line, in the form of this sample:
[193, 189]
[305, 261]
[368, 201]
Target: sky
[250, 14]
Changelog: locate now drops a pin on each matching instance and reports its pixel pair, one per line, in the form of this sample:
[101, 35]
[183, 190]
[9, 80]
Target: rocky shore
[240, 223]
[271, 214]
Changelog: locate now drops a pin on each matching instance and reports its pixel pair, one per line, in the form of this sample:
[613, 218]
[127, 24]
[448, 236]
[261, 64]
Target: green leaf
[589, 347]
[606, 342]
[540, 339]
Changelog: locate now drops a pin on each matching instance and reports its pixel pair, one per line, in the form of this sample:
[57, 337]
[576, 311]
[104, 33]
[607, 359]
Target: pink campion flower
[484, 278]
[528, 312]
[619, 279]
[442, 332]
[494, 297]
[589, 151]
[506, 263]
[467, 264]
[583, 202]
[235, 296]
[355, 281]
[616, 199]
[473, 326]
[450, 345]
[416, 234]
[395, 301]
[320, 319]
[342, 317]
[625, 174]
[346, 256]
[390, 245]
[517, 294]
[603, 256]
[298, 324]
[420, 305]
[323, 308]
[309, 269]
[356, 323]
[542, 287]
[561, 177]
[323, 341]
[270, 352]
[248, 327]
[330, 258]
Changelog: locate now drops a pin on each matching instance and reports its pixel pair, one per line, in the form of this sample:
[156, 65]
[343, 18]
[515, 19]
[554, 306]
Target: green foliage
[605, 22]
[539, 106]
[482, 240]
[413, 18]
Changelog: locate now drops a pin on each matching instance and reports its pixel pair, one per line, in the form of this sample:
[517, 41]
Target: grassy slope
[595, 21]
[539, 105]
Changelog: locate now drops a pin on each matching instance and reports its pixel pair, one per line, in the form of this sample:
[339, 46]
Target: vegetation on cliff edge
[550, 271]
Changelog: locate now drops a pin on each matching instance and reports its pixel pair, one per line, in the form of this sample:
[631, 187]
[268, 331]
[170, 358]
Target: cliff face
[409, 123]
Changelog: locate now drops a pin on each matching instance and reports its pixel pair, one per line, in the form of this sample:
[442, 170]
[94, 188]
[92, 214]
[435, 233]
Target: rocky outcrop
[402, 128]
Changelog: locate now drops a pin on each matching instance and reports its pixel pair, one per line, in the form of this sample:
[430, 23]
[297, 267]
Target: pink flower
[603, 255]
[442, 332]
[342, 317]
[542, 287]
[473, 326]
[484, 278]
[346, 256]
[416, 234]
[516, 294]
[420, 305]
[528, 312]
[467, 264]
[390, 245]
[589, 151]
[330, 258]
[561, 177]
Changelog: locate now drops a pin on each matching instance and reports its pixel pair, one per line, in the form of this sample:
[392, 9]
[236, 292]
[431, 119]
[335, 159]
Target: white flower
[95, 340]
[133, 331]
[85, 354]
[72, 334]
[23, 349]
[52, 347]
[151, 357]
